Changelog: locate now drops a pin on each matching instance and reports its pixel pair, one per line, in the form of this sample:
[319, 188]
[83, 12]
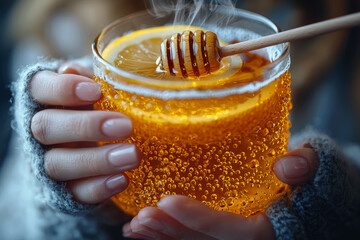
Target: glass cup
[212, 141]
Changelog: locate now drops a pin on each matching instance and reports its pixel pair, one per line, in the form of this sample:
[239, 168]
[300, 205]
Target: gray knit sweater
[326, 208]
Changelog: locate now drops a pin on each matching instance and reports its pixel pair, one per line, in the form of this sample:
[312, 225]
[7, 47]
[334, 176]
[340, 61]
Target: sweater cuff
[53, 193]
[317, 206]
[286, 223]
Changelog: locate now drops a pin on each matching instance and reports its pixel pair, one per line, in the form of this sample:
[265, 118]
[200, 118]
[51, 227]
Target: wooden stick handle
[293, 34]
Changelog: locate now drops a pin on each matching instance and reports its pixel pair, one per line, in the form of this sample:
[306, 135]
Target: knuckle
[82, 126]
[52, 169]
[89, 162]
[51, 87]
[59, 89]
[63, 86]
[39, 126]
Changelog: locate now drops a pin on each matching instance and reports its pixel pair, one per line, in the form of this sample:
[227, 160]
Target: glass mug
[215, 143]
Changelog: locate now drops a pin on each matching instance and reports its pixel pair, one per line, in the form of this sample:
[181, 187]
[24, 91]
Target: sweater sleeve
[325, 208]
[54, 193]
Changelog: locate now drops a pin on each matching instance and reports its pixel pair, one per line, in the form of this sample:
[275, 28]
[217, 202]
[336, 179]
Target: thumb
[297, 167]
[74, 68]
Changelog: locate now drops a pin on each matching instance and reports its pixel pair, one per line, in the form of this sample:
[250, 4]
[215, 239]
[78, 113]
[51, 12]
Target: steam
[190, 12]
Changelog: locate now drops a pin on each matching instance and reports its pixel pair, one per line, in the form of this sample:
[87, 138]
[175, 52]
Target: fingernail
[294, 166]
[116, 182]
[126, 231]
[146, 233]
[124, 157]
[152, 223]
[87, 91]
[119, 127]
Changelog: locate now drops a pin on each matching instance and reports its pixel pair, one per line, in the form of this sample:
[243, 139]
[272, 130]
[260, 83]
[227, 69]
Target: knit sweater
[326, 208]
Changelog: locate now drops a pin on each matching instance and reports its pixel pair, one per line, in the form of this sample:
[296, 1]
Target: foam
[227, 34]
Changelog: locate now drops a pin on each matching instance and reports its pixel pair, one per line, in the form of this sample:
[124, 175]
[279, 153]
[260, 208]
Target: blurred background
[325, 70]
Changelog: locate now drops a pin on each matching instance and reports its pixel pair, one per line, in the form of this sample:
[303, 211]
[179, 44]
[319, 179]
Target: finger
[62, 164]
[158, 220]
[74, 68]
[129, 234]
[297, 167]
[64, 89]
[97, 189]
[221, 225]
[149, 233]
[52, 126]
[75, 145]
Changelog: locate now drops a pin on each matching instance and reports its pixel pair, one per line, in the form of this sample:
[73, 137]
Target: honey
[217, 149]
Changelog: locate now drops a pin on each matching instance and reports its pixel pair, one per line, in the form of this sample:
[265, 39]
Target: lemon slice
[138, 51]
[135, 39]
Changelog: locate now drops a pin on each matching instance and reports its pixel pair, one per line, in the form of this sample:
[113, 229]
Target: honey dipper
[192, 54]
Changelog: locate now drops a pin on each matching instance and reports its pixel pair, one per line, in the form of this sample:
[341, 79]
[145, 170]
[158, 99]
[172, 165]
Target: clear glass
[210, 140]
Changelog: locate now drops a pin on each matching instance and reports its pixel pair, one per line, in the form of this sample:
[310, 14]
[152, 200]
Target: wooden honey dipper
[192, 54]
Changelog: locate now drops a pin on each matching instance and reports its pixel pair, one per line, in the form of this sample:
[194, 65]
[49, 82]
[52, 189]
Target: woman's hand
[180, 217]
[69, 126]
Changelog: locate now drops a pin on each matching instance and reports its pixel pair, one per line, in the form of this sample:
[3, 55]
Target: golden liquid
[219, 151]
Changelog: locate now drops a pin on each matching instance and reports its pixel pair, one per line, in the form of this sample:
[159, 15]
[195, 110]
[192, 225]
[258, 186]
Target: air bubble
[213, 196]
[271, 153]
[222, 204]
[254, 163]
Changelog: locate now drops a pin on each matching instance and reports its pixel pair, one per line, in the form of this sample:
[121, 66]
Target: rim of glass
[155, 82]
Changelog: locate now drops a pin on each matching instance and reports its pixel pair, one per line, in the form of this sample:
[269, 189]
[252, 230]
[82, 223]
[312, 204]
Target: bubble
[271, 152]
[222, 203]
[225, 157]
[213, 196]
[270, 124]
[254, 163]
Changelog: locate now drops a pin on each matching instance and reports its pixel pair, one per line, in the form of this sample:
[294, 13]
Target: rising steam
[189, 12]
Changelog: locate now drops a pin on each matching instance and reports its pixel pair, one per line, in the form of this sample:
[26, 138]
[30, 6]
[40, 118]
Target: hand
[180, 217]
[69, 126]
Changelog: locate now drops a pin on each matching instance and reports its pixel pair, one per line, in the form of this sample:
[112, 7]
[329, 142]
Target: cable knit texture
[54, 193]
[324, 208]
